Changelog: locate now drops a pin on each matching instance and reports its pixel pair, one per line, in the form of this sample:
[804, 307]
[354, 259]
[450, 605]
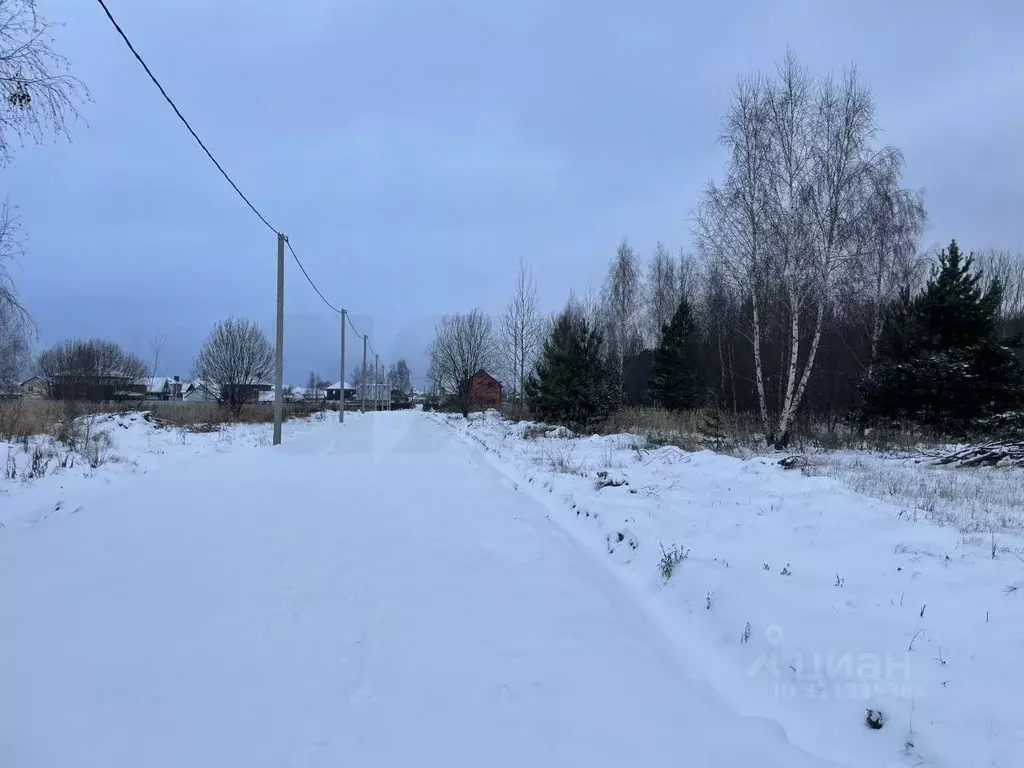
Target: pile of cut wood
[1004, 453]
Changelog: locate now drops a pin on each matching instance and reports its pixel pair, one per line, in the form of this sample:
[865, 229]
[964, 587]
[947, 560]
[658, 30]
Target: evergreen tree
[571, 384]
[675, 378]
[941, 360]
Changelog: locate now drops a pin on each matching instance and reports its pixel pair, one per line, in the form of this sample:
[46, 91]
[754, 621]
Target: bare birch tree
[894, 220]
[689, 273]
[731, 221]
[842, 156]
[521, 332]
[790, 217]
[622, 304]
[789, 184]
[662, 293]
[464, 344]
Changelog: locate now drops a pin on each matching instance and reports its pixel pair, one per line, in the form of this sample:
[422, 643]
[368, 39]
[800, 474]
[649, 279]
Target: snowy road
[373, 595]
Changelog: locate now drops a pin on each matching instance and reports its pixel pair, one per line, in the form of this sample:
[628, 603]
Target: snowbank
[797, 598]
[41, 477]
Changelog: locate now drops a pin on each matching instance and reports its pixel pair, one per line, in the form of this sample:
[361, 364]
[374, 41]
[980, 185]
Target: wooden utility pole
[279, 346]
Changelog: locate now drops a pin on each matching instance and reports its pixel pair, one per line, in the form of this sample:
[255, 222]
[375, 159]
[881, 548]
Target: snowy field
[802, 599]
[415, 589]
[43, 477]
[986, 506]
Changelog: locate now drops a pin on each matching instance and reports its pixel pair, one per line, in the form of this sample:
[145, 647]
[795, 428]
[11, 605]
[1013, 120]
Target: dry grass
[741, 434]
[209, 417]
[20, 419]
[978, 501]
[561, 459]
[692, 430]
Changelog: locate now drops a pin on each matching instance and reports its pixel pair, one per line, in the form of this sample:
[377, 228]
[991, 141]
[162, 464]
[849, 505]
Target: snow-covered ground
[415, 589]
[41, 477]
[984, 505]
[370, 595]
[802, 600]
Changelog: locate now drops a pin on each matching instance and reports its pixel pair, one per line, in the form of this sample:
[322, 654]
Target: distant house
[164, 388]
[35, 388]
[485, 390]
[334, 390]
[105, 388]
[251, 393]
[199, 391]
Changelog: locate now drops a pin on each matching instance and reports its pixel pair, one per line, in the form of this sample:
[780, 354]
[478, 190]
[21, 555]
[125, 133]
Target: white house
[199, 392]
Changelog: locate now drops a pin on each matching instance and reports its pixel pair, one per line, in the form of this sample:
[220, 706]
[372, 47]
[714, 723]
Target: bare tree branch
[38, 96]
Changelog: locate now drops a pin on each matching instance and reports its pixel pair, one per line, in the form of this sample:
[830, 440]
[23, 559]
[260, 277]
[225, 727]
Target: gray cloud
[415, 151]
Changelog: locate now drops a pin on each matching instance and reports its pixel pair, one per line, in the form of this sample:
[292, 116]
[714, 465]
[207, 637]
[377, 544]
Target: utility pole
[362, 377]
[341, 394]
[376, 382]
[279, 346]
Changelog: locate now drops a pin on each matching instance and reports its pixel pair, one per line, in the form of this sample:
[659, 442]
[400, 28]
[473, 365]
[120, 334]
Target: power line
[181, 117]
[209, 154]
[356, 332]
[260, 216]
[309, 279]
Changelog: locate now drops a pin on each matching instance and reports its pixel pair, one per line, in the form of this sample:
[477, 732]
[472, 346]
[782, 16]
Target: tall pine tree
[572, 384]
[675, 378]
[941, 360]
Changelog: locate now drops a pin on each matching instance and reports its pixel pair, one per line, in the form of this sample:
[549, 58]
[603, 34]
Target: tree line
[808, 291]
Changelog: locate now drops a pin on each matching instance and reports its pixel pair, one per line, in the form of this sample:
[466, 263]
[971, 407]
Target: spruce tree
[941, 360]
[675, 378]
[572, 383]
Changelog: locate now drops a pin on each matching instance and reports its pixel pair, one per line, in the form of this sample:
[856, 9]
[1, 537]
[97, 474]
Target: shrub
[670, 558]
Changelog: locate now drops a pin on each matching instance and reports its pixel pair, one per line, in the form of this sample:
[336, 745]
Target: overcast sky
[415, 150]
